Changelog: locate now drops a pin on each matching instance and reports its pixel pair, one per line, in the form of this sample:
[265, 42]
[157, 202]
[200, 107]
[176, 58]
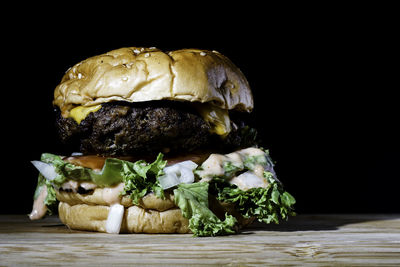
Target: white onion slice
[181, 172]
[168, 180]
[46, 169]
[172, 169]
[187, 164]
[186, 176]
[114, 219]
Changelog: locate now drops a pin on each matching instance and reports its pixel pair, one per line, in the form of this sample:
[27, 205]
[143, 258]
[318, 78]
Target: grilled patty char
[122, 128]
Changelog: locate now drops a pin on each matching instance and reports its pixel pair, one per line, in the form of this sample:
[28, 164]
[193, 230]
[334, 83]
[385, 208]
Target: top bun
[137, 74]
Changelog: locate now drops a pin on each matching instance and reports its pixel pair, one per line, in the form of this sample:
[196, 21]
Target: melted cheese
[216, 117]
[80, 113]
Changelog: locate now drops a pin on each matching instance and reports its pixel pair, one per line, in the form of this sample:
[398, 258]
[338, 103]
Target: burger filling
[244, 179]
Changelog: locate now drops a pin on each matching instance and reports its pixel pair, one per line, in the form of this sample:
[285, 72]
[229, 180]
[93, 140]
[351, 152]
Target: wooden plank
[356, 240]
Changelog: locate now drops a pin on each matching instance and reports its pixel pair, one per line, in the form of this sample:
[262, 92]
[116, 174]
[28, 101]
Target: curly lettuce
[268, 204]
[140, 178]
[192, 199]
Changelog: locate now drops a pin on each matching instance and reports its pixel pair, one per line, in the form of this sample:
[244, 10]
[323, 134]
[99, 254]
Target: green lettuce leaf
[192, 199]
[266, 204]
[140, 178]
[67, 171]
[111, 174]
[230, 169]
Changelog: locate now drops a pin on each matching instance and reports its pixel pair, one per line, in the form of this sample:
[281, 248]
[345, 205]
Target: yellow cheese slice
[79, 113]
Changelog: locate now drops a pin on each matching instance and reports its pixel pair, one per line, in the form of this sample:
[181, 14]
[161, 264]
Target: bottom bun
[135, 220]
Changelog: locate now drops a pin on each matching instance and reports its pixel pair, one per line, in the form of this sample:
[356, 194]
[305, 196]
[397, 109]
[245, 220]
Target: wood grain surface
[318, 240]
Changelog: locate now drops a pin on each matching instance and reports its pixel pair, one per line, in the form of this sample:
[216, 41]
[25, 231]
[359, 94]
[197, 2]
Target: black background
[324, 84]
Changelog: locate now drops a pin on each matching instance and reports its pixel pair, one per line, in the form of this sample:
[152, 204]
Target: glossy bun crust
[135, 220]
[89, 212]
[137, 74]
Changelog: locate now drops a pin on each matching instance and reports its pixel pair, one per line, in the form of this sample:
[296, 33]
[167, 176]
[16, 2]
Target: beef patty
[122, 128]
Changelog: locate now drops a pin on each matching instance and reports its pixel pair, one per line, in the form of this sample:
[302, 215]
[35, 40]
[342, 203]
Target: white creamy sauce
[259, 170]
[88, 185]
[248, 180]
[70, 185]
[74, 185]
[39, 209]
[251, 151]
[236, 158]
[214, 166]
[111, 195]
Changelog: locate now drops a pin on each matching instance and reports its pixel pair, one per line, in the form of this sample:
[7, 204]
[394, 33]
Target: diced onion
[181, 172]
[186, 175]
[46, 169]
[114, 219]
[187, 164]
[173, 168]
[168, 180]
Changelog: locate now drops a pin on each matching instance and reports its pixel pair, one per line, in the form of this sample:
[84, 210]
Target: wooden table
[305, 239]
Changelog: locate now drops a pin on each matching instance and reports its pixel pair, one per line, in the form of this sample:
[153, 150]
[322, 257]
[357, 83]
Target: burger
[158, 142]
